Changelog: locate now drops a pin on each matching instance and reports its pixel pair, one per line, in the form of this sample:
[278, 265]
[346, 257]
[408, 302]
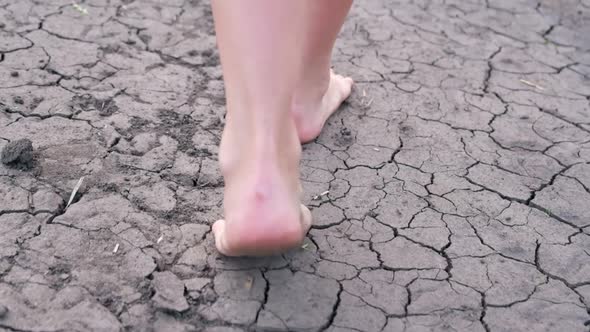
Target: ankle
[259, 145]
[310, 89]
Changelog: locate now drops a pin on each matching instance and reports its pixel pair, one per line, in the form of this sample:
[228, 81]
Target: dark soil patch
[88, 103]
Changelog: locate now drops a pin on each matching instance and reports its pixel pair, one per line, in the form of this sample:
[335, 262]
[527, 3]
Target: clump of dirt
[345, 137]
[87, 103]
[106, 107]
[35, 102]
[18, 154]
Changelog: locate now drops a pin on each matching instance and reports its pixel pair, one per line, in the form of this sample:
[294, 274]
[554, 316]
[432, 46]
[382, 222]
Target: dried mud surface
[456, 179]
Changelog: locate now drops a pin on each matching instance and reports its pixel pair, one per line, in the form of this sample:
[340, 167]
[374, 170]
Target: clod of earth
[18, 154]
[169, 292]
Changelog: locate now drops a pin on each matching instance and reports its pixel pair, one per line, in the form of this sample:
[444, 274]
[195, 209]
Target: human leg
[319, 92]
[260, 47]
[279, 91]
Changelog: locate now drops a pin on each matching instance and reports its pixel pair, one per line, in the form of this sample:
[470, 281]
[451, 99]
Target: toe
[349, 81]
[343, 85]
[345, 88]
[219, 233]
[305, 219]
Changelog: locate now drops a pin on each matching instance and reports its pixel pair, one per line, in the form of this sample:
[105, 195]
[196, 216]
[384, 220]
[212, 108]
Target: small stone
[169, 292]
[64, 276]
[14, 74]
[19, 154]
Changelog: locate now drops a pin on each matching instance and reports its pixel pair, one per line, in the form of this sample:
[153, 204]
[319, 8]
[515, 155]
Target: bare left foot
[311, 108]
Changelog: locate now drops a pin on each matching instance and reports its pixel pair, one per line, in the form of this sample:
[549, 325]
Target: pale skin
[280, 90]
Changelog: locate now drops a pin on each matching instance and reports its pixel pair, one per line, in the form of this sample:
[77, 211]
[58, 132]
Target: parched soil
[450, 193]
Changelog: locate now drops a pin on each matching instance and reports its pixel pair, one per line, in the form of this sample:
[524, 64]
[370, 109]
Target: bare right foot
[262, 199]
[314, 103]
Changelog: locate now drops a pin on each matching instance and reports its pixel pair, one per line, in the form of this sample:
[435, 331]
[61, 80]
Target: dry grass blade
[529, 83]
[76, 188]
[248, 283]
[316, 197]
[80, 8]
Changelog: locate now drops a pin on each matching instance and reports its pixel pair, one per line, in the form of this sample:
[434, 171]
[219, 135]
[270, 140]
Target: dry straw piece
[76, 188]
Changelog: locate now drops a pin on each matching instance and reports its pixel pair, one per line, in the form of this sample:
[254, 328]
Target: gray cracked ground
[456, 179]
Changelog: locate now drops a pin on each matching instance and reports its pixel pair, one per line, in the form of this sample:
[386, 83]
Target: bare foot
[262, 199]
[316, 102]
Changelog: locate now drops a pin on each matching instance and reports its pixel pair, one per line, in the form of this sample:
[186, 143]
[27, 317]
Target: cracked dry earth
[450, 193]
